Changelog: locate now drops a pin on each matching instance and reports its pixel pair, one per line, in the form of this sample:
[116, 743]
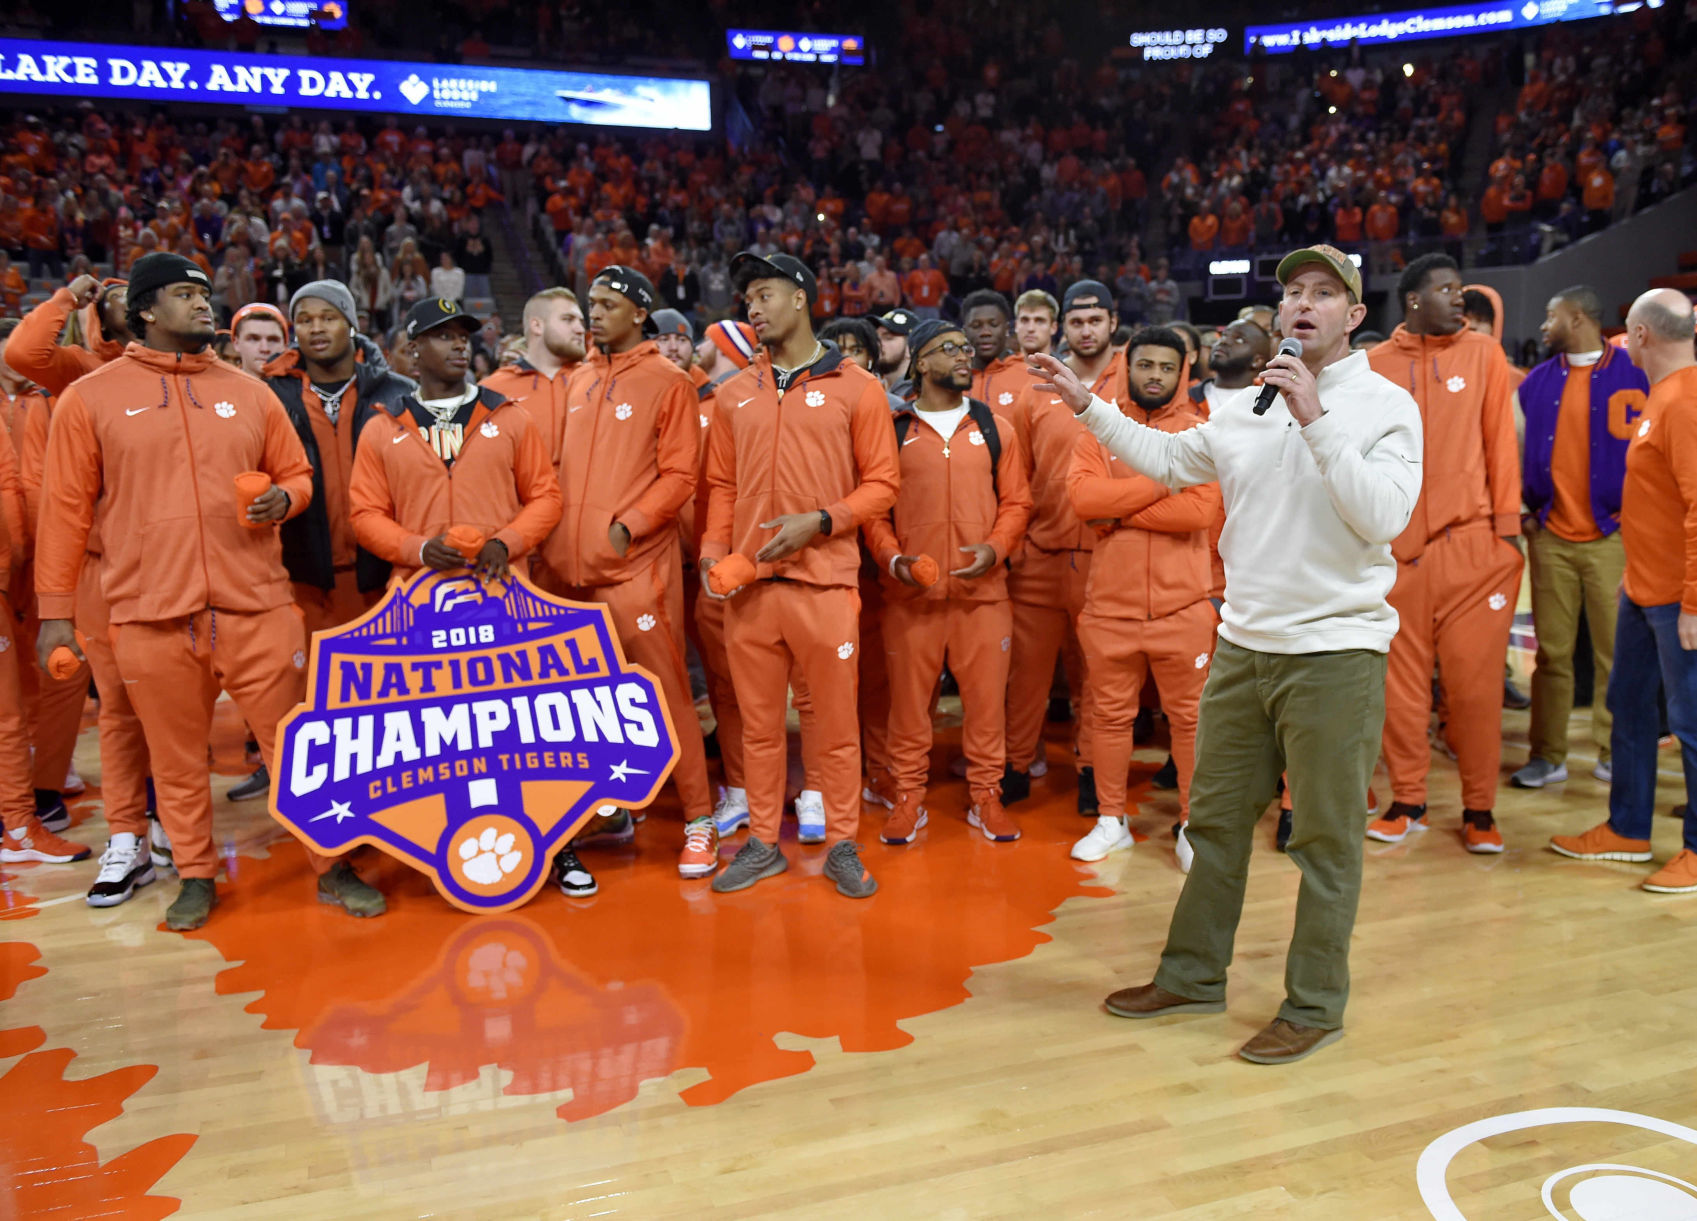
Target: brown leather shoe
[1285, 1042]
[1152, 1000]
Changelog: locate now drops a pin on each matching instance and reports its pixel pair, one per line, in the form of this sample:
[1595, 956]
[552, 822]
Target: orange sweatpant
[17, 799]
[123, 747]
[709, 620]
[1047, 588]
[1456, 604]
[324, 609]
[1121, 655]
[321, 610]
[770, 629]
[174, 669]
[52, 708]
[974, 639]
[648, 618]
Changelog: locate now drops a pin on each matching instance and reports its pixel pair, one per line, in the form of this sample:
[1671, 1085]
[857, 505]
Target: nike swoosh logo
[136, 410]
[397, 440]
[745, 402]
[569, 410]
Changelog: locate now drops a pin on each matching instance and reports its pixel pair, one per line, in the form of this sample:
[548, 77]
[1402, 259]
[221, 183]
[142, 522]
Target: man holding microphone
[1314, 490]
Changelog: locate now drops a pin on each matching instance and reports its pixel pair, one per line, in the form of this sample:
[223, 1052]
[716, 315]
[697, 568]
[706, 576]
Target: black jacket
[306, 537]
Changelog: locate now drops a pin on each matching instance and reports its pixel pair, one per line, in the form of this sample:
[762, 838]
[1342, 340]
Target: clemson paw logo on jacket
[622, 411]
[489, 429]
[224, 410]
[1456, 384]
[1004, 398]
[645, 623]
[845, 650]
[815, 398]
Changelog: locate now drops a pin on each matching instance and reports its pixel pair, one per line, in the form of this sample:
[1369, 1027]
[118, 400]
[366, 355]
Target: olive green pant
[1565, 577]
[1316, 717]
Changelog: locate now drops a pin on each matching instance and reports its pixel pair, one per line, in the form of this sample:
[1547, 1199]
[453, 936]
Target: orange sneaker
[880, 790]
[996, 823]
[1601, 843]
[1479, 832]
[700, 856]
[905, 821]
[1401, 821]
[1677, 877]
[34, 842]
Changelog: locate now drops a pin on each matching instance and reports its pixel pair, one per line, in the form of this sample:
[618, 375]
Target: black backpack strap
[904, 421]
[986, 421]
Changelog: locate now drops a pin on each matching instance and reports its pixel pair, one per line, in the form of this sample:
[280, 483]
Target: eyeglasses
[950, 348]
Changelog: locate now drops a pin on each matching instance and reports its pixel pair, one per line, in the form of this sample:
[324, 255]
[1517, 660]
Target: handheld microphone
[1264, 400]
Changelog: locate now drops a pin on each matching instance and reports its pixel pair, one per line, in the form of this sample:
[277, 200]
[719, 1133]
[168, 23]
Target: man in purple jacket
[1581, 407]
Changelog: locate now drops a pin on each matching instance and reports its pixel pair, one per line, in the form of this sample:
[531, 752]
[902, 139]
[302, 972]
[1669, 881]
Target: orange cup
[466, 540]
[733, 571]
[250, 486]
[924, 570]
[62, 663]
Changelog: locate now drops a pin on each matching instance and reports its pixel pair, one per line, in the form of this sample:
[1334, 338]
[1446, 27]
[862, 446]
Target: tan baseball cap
[1329, 257]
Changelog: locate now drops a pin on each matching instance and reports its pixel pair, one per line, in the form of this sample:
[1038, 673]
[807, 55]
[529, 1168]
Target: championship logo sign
[470, 731]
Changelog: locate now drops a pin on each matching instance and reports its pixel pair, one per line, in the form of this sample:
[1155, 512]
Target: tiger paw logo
[1497, 601]
[845, 650]
[470, 731]
[622, 411]
[1202, 661]
[815, 398]
[645, 623]
[1456, 385]
[224, 410]
[977, 438]
[490, 429]
[1004, 398]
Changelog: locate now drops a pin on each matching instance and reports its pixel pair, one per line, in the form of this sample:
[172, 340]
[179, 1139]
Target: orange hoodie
[14, 529]
[402, 495]
[544, 398]
[34, 351]
[155, 440]
[999, 383]
[1049, 433]
[948, 500]
[627, 452]
[1465, 388]
[824, 444]
[1154, 559]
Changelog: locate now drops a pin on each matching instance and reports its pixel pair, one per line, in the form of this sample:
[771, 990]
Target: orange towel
[466, 540]
[730, 573]
[925, 570]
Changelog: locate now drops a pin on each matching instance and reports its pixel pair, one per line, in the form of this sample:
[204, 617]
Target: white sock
[737, 795]
[123, 840]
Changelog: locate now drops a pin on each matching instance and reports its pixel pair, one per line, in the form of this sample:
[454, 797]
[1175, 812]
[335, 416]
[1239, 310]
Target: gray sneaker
[842, 866]
[193, 904]
[343, 888]
[755, 861]
[256, 785]
[1537, 773]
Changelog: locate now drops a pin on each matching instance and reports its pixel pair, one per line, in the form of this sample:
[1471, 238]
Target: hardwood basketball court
[938, 1051]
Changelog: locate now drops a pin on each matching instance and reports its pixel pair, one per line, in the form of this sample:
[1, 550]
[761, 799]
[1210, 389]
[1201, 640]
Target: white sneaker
[73, 786]
[1108, 835]
[159, 845]
[810, 814]
[1182, 849]
[1039, 768]
[731, 814]
[124, 867]
[1604, 772]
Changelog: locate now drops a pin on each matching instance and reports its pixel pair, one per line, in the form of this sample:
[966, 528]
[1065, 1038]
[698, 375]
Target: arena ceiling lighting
[1414, 24]
[378, 86]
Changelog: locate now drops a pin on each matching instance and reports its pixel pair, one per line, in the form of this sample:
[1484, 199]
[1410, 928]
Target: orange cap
[467, 540]
[732, 572]
[924, 570]
[250, 486]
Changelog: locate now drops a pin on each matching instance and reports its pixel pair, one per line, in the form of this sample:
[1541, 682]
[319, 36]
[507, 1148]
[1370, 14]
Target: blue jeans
[1648, 660]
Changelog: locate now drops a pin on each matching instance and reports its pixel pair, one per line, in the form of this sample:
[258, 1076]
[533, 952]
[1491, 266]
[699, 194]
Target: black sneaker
[50, 808]
[1167, 776]
[1059, 713]
[843, 867]
[571, 877]
[123, 868]
[256, 785]
[1016, 785]
[1087, 804]
[1281, 837]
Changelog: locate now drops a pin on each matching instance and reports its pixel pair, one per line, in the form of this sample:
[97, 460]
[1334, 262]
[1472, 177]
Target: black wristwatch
[825, 523]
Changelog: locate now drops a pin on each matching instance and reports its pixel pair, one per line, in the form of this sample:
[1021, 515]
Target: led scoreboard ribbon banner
[469, 731]
[378, 86]
[293, 14]
[1413, 24]
[796, 47]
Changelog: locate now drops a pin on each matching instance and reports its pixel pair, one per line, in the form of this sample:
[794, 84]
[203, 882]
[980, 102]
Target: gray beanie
[332, 291]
